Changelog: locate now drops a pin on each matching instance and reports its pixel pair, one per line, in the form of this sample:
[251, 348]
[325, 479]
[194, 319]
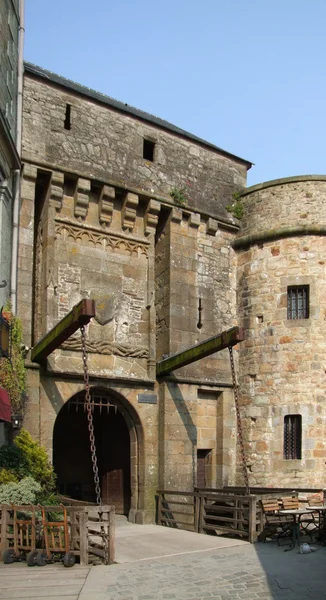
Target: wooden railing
[91, 529]
[203, 512]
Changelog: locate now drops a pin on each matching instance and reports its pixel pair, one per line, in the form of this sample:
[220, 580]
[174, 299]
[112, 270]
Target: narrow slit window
[67, 123]
[148, 150]
[298, 302]
[292, 437]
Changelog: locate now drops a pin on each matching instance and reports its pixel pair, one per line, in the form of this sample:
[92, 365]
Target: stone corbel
[128, 214]
[83, 188]
[56, 190]
[194, 220]
[151, 216]
[211, 226]
[176, 215]
[105, 205]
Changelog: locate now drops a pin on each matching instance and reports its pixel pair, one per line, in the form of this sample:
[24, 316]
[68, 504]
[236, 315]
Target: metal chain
[239, 424]
[88, 405]
[194, 477]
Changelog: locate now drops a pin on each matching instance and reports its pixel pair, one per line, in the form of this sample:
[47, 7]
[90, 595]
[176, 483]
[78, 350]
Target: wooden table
[296, 516]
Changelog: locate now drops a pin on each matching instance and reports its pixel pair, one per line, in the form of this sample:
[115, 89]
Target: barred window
[298, 302]
[292, 437]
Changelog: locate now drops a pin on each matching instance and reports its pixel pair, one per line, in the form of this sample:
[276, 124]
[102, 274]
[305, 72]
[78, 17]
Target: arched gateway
[117, 432]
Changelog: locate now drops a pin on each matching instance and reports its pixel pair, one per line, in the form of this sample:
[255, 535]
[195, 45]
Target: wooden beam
[214, 344]
[81, 314]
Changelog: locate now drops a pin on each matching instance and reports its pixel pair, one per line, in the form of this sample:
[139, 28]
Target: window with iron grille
[298, 302]
[292, 437]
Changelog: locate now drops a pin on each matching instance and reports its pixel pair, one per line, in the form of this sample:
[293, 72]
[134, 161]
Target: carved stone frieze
[105, 241]
[83, 188]
[128, 213]
[56, 190]
[105, 205]
[151, 216]
[101, 347]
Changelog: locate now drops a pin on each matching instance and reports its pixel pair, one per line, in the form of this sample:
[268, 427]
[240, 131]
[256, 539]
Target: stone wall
[98, 221]
[9, 21]
[107, 144]
[282, 361]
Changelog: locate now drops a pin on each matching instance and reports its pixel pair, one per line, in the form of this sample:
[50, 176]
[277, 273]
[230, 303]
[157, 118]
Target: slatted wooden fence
[91, 529]
[227, 510]
[204, 512]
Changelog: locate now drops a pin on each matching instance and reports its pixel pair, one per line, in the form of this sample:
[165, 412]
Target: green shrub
[23, 492]
[14, 460]
[7, 476]
[39, 466]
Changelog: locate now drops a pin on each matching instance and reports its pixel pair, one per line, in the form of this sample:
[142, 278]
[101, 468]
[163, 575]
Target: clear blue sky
[246, 75]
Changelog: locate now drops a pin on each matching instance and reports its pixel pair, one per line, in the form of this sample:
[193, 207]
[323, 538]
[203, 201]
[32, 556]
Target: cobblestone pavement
[260, 571]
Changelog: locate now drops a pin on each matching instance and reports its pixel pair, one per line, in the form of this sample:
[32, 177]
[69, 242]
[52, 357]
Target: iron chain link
[239, 424]
[88, 405]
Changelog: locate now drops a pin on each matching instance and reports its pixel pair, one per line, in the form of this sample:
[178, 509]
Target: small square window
[298, 302]
[292, 437]
[148, 150]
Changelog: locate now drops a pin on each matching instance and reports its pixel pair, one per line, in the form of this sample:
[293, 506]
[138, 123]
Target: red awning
[5, 407]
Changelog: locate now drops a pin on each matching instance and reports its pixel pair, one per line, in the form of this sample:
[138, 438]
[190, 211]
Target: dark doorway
[72, 454]
[202, 462]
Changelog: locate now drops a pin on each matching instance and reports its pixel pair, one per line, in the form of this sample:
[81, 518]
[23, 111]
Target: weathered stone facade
[282, 244]
[98, 220]
[9, 159]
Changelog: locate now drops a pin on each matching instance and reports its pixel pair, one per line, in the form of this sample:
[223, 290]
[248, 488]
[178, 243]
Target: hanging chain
[88, 405]
[90, 419]
[194, 474]
[239, 424]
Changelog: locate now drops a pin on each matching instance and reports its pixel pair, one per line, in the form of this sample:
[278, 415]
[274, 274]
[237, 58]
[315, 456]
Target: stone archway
[117, 437]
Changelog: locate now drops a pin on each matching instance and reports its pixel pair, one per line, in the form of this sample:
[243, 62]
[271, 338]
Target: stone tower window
[292, 437]
[148, 150]
[298, 302]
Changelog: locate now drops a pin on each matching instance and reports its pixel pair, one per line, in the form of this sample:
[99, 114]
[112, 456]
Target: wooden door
[112, 489]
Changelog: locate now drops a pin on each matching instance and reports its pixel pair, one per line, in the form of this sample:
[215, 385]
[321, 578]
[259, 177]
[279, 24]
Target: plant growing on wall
[179, 196]
[12, 372]
[236, 206]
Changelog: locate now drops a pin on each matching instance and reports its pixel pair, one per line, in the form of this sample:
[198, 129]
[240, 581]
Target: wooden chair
[317, 517]
[275, 525]
[289, 503]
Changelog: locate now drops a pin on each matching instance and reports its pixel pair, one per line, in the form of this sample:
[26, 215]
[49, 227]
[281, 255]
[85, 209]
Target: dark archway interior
[72, 453]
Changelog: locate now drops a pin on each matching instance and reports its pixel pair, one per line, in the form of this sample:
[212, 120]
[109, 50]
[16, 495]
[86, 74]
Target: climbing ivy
[12, 372]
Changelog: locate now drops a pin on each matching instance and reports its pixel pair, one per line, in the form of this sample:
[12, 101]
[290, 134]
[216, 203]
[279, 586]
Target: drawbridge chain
[88, 405]
[239, 424]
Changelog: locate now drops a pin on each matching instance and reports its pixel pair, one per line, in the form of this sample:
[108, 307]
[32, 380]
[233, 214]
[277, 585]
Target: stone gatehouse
[129, 210]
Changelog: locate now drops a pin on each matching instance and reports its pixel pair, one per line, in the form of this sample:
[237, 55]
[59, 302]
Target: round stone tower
[281, 303]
